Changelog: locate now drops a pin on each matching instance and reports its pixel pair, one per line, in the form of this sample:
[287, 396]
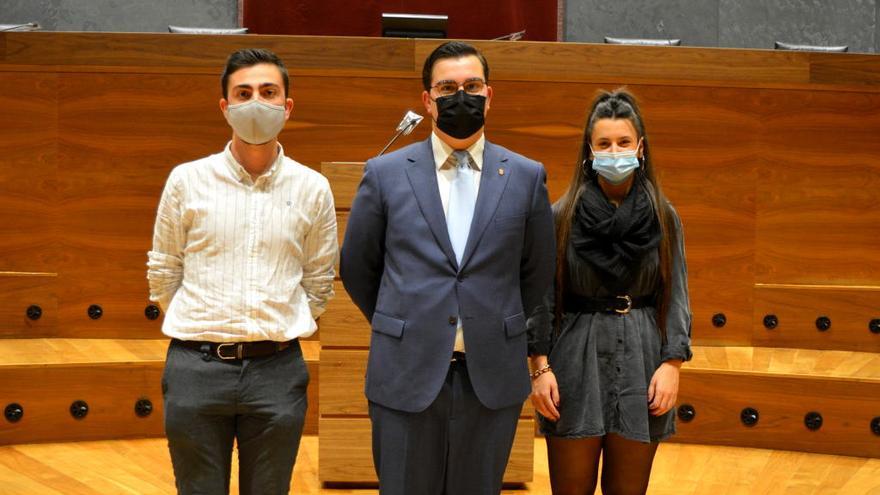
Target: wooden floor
[142, 467]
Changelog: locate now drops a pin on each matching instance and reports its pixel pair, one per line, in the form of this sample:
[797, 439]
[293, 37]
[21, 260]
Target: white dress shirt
[444, 182]
[236, 259]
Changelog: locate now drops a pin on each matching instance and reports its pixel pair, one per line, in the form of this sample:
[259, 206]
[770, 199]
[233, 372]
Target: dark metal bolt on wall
[823, 323]
[14, 412]
[686, 413]
[95, 312]
[875, 425]
[874, 326]
[34, 312]
[771, 322]
[813, 420]
[749, 416]
[152, 312]
[143, 408]
[719, 320]
[79, 409]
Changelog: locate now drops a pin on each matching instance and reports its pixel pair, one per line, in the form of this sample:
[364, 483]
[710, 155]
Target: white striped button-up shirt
[236, 259]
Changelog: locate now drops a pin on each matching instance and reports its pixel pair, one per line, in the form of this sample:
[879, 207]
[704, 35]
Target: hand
[663, 391]
[545, 396]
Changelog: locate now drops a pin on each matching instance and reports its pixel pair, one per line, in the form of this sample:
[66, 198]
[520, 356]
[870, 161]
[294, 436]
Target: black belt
[620, 304]
[236, 350]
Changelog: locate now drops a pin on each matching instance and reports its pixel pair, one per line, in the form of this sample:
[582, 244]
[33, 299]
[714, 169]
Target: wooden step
[784, 386]
[46, 376]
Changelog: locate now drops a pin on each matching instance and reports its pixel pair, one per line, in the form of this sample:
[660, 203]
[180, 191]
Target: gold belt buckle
[237, 354]
[629, 305]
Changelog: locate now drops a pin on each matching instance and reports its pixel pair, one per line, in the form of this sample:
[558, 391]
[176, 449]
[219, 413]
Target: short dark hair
[249, 57]
[451, 49]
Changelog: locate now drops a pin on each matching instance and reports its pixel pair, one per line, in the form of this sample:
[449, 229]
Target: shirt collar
[239, 172]
[442, 151]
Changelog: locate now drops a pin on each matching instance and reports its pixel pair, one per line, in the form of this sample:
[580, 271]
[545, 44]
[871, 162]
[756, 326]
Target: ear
[489, 93]
[224, 104]
[428, 102]
[288, 108]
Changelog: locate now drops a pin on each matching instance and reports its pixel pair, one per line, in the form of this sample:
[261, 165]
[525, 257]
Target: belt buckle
[629, 305]
[236, 355]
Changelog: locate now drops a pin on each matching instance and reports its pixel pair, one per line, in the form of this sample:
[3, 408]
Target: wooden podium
[345, 445]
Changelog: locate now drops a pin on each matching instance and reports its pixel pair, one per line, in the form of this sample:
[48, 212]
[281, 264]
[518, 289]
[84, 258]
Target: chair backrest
[642, 41]
[198, 30]
[779, 45]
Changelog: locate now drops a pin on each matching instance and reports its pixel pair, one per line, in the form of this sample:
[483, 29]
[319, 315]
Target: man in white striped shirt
[242, 263]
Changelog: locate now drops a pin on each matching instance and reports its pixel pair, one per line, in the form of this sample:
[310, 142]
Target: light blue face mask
[616, 166]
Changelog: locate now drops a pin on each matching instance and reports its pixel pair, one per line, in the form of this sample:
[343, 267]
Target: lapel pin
[500, 171]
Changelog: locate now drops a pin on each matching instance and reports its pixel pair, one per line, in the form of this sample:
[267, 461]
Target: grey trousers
[457, 446]
[209, 403]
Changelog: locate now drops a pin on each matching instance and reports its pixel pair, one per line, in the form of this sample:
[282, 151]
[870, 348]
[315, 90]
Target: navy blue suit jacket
[398, 266]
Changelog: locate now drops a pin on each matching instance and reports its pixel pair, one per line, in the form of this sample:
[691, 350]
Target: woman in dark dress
[608, 343]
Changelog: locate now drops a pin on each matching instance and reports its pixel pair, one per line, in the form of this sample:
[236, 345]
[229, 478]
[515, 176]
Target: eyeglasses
[471, 86]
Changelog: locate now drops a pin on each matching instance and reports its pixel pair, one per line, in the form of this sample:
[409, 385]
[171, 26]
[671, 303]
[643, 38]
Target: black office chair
[198, 30]
[642, 41]
[779, 45]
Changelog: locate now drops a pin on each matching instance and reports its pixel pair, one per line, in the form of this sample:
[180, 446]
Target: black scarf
[615, 240]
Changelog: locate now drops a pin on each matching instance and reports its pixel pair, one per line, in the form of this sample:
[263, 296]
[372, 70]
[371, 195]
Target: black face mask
[460, 115]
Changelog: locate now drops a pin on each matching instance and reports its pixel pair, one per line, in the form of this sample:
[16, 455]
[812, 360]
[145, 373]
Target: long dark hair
[617, 104]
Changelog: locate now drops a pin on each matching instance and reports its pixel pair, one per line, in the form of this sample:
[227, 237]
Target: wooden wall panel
[343, 324]
[28, 147]
[847, 407]
[818, 219]
[346, 453]
[110, 390]
[797, 308]
[17, 293]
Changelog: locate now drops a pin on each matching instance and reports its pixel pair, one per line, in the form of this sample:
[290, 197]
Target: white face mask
[617, 166]
[255, 121]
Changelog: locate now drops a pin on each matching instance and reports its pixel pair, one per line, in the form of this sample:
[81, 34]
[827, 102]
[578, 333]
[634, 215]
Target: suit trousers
[260, 403]
[457, 446]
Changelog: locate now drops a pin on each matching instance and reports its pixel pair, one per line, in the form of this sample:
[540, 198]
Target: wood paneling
[17, 293]
[343, 325]
[847, 407]
[202, 53]
[46, 375]
[346, 453]
[850, 310]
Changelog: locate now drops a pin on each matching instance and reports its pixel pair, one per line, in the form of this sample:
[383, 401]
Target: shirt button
[453, 320]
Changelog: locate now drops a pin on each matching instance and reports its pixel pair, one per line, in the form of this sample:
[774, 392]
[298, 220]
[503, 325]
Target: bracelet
[540, 371]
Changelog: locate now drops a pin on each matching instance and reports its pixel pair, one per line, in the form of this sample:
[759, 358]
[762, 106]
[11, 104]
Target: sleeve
[540, 325]
[538, 269]
[362, 259]
[320, 250]
[678, 316]
[165, 260]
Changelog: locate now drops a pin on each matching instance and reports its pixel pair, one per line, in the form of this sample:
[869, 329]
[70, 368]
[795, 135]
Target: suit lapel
[422, 174]
[493, 180]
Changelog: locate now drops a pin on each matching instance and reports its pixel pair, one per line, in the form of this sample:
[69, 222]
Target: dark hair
[618, 104]
[451, 49]
[249, 57]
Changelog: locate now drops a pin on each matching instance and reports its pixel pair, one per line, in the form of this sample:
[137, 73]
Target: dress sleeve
[678, 316]
[540, 324]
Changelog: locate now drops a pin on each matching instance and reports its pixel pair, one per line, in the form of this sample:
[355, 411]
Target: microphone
[12, 27]
[407, 124]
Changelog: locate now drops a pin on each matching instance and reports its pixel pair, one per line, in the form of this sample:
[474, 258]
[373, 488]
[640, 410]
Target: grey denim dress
[604, 362]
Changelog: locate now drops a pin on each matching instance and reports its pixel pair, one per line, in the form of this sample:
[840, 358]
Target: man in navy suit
[449, 245]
